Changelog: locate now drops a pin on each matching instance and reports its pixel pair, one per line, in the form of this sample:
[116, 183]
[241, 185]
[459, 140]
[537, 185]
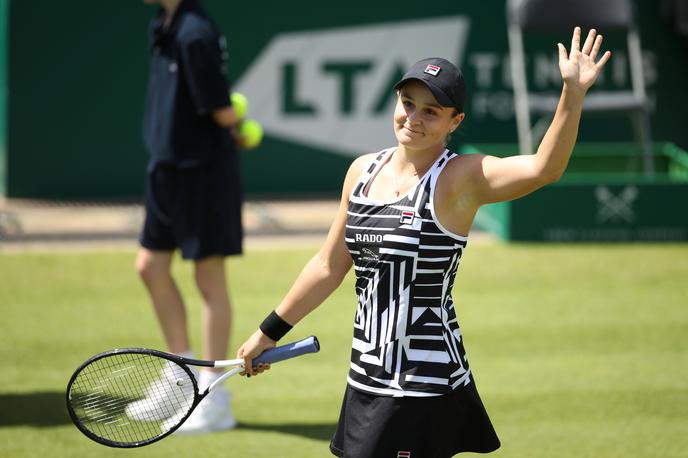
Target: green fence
[603, 196]
[317, 76]
[4, 19]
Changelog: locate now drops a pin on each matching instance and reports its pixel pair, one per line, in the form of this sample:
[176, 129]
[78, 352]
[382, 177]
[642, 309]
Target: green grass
[578, 350]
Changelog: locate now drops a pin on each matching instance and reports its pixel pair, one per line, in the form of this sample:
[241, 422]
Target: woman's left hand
[579, 69]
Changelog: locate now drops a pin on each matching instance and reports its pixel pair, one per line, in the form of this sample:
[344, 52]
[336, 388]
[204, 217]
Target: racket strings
[129, 398]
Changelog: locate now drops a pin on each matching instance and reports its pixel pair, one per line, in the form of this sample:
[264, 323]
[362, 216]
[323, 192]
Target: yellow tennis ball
[251, 133]
[240, 105]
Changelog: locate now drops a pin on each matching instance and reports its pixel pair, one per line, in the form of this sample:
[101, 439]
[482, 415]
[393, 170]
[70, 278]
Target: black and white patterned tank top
[407, 340]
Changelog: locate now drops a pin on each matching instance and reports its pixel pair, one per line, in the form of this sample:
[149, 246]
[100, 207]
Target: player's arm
[319, 277]
[206, 79]
[499, 179]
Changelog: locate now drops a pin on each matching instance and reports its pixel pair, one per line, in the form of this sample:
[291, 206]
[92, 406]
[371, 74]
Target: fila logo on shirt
[404, 454]
[368, 238]
[407, 217]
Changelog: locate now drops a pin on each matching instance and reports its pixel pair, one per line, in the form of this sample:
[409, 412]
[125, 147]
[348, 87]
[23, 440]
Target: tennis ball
[251, 133]
[240, 104]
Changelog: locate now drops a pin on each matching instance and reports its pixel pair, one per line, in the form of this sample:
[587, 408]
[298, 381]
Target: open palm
[578, 68]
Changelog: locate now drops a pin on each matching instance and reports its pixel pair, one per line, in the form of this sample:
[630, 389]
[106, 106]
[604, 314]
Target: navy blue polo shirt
[187, 82]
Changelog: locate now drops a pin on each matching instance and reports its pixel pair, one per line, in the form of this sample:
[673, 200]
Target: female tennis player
[403, 224]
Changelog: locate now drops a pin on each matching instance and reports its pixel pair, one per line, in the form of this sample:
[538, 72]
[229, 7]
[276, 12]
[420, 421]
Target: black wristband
[274, 326]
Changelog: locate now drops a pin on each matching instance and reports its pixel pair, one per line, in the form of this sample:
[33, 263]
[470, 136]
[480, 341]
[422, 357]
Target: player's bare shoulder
[459, 172]
[466, 162]
[360, 164]
[363, 161]
[357, 167]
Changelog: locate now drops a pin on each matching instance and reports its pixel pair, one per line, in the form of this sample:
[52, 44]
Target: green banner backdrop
[317, 76]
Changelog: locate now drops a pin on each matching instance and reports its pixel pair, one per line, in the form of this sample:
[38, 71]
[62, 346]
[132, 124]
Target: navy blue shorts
[196, 209]
[372, 426]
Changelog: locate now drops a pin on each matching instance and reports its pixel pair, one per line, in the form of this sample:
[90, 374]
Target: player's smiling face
[419, 120]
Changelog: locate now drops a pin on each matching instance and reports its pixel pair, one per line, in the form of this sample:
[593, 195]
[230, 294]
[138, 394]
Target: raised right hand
[578, 68]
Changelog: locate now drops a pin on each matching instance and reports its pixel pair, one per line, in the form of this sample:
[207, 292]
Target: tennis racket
[132, 397]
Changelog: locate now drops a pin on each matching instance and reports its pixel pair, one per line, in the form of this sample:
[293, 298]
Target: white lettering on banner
[337, 82]
[493, 70]
[484, 63]
[547, 72]
[330, 89]
[617, 234]
[491, 95]
[498, 104]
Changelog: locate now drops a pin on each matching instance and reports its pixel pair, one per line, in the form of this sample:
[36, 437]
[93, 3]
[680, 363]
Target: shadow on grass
[43, 409]
[49, 409]
[322, 432]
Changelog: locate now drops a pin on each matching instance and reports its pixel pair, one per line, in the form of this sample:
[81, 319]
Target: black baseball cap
[444, 80]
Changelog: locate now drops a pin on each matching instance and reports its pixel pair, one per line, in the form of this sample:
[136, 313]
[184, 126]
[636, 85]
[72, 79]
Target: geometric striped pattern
[407, 341]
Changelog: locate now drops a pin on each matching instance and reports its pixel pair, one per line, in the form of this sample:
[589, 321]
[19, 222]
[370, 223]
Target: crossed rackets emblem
[615, 207]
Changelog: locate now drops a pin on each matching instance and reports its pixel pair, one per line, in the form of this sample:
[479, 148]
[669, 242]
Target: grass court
[578, 350]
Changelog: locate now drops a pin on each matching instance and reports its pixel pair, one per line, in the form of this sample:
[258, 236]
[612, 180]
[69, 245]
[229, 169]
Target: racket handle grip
[290, 350]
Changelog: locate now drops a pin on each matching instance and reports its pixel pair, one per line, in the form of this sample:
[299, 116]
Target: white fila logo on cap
[432, 70]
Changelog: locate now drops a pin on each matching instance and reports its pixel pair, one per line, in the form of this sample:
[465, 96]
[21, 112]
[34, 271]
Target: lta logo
[332, 89]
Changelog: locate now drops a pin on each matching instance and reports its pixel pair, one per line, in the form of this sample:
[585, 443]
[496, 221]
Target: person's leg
[154, 267]
[217, 309]
[214, 414]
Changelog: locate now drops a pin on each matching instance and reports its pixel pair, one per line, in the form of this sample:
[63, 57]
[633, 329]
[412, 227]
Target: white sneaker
[212, 414]
[167, 395]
